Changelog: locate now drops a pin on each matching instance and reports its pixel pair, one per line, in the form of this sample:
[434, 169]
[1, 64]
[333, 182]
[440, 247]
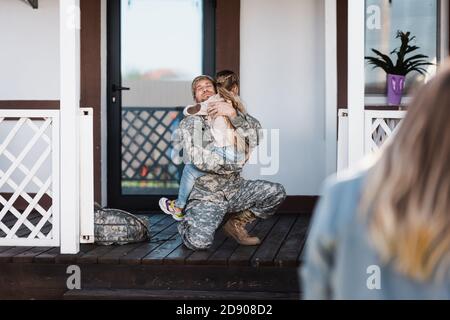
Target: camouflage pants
[203, 217]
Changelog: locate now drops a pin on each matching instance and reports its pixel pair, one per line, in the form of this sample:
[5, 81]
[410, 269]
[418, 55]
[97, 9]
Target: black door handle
[116, 88]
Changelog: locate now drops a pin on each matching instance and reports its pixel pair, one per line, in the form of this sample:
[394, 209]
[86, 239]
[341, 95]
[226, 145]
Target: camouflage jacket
[223, 178]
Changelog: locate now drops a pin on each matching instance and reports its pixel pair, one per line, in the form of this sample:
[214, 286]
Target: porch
[163, 268]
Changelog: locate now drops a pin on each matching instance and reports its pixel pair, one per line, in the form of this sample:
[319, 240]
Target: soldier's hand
[221, 108]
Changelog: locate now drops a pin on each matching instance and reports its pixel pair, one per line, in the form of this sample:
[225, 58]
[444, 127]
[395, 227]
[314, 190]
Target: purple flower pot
[395, 86]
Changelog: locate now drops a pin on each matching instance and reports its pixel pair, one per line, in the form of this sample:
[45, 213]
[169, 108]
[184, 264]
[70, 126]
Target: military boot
[235, 228]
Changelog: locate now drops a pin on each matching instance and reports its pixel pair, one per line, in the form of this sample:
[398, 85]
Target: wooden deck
[163, 268]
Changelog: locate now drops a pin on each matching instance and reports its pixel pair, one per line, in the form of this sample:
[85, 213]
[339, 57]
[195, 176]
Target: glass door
[155, 49]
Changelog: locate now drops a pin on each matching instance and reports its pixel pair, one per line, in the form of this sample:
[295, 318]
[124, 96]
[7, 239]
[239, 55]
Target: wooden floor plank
[242, 255]
[47, 256]
[113, 256]
[269, 248]
[92, 255]
[283, 239]
[182, 255]
[178, 256]
[103, 251]
[156, 255]
[182, 295]
[6, 256]
[161, 224]
[73, 258]
[222, 253]
[157, 223]
[292, 247]
[5, 248]
[28, 256]
[201, 257]
[159, 236]
[155, 218]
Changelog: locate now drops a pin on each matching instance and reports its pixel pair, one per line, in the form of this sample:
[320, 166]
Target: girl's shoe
[168, 207]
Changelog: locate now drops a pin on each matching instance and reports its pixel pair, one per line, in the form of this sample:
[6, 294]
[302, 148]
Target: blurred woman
[384, 232]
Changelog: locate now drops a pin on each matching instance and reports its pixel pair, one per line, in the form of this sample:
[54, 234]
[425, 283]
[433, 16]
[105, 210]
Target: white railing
[29, 178]
[380, 126]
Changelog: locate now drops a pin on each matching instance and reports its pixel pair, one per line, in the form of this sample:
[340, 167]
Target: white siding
[29, 52]
[283, 85]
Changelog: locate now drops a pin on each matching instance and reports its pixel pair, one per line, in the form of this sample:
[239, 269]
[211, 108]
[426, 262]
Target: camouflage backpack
[115, 226]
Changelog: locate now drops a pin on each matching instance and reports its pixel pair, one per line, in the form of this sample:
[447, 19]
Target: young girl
[227, 144]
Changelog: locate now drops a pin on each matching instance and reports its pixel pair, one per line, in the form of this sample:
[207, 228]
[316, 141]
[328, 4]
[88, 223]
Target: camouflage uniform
[222, 189]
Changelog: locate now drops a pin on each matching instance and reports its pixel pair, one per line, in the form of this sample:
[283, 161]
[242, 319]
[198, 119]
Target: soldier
[222, 189]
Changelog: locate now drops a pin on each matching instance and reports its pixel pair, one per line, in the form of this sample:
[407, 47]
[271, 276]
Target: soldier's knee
[196, 246]
[280, 191]
[195, 243]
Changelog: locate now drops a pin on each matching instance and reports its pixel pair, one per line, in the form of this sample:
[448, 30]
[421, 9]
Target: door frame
[138, 203]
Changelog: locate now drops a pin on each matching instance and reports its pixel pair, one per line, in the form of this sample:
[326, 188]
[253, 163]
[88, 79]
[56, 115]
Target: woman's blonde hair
[407, 194]
[226, 81]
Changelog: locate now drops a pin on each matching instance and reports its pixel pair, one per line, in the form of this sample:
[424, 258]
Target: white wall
[283, 85]
[29, 70]
[29, 50]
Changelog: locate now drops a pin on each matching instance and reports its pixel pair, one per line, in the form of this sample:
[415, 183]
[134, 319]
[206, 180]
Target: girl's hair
[407, 195]
[226, 81]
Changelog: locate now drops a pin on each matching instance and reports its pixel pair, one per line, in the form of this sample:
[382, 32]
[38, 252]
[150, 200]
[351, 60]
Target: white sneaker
[168, 207]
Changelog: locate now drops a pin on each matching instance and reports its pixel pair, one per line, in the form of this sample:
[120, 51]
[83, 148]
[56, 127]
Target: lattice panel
[29, 177]
[380, 127]
[146, 145]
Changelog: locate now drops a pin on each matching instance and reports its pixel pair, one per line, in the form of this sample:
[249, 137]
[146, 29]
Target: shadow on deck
[163, 268]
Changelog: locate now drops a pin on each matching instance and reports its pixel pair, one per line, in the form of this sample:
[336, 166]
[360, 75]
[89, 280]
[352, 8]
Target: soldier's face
[204, 90]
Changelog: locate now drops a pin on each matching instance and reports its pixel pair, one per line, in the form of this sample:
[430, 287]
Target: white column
[69, 111]
[104, 120]
[356, 79]
[444, 29]
[331, 86]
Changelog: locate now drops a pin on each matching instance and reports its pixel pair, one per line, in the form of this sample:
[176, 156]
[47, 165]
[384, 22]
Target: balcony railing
[29, 178]
[379, 127]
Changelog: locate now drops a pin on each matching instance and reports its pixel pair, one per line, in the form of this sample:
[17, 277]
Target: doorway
[155, 49]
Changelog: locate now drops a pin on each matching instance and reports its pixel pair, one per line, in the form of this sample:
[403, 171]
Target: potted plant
[396, 73]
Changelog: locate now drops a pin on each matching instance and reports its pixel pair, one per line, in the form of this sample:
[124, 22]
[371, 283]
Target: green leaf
[377, 63]
[411, 49]
[418, 56]
[420, 63]
[422, 71]
[403, 64]
[385, 58]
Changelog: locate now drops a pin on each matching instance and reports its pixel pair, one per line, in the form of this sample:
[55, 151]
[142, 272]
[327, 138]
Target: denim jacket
[340, 263]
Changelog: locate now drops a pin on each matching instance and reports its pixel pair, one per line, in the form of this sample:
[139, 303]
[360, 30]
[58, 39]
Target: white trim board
[69, 25]
[356, 80]
[331, 86]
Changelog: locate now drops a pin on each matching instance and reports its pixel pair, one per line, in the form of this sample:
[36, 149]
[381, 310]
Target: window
[383, 19]
[162, 51]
